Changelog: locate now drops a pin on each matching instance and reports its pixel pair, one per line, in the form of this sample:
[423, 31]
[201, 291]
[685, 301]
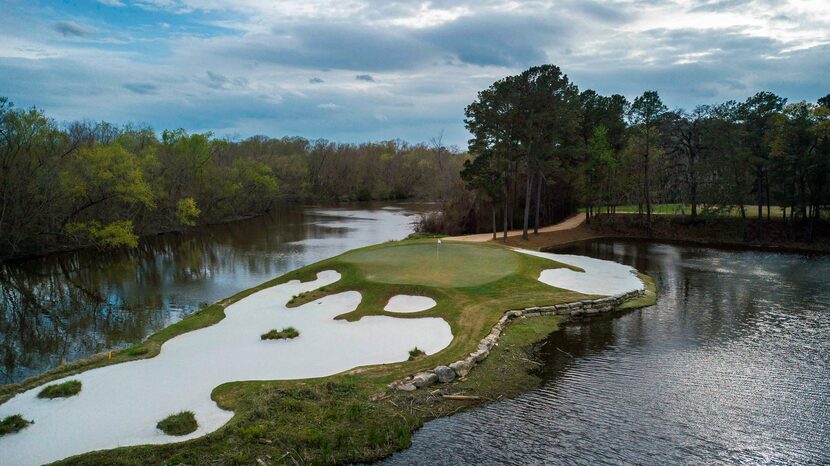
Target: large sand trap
[120, 405]
[601, 277]
[408, 303]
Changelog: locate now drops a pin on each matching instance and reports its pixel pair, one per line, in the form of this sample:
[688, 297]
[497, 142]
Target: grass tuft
[182, 423]
[61, 390]
[416, 353]
[12, 424]
[284, 334]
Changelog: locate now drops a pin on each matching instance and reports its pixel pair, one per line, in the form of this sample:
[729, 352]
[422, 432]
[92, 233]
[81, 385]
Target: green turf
[448, 265]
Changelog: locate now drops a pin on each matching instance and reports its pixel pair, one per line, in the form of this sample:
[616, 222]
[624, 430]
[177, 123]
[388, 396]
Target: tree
[758, 113]
[597, 171]
[646, 112]
[548, 117]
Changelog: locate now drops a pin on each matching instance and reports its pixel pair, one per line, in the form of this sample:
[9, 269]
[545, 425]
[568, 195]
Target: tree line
[535, 135]
[94, 183]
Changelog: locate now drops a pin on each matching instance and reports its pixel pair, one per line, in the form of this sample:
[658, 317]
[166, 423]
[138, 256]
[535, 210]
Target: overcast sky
[351, 70]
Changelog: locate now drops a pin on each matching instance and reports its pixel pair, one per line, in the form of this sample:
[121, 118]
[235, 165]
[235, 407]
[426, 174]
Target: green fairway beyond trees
[353, 416]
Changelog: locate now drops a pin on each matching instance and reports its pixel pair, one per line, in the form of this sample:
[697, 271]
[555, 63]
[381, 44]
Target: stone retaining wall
[445, 374]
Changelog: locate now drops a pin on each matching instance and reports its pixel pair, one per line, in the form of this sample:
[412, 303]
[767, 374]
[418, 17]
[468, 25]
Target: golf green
[447, 265]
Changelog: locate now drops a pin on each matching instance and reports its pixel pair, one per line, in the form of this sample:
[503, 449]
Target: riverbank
[470, 296]
[728, 232]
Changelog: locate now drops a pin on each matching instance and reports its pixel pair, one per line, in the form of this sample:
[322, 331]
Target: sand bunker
[601, 277]
[407, 303]
[120, 405]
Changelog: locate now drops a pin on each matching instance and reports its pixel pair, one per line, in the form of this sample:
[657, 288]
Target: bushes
[182, 423]
[284, 334]
[11, 424]
[61, 390]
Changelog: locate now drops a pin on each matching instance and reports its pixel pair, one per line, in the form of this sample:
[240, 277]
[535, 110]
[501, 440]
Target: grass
[416, 353]
[703, 210]
[284, 334]
[352, 417]
[181, 423]
[12, 424]
[448, 265]
[61, 390]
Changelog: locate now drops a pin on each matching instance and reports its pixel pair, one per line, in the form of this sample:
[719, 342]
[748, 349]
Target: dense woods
[541, 148]
[92, 183]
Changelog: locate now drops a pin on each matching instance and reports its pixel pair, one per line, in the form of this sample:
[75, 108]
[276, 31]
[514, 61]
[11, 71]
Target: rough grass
[284, 334]
[61, 390]
[181, 423]
[12, 424]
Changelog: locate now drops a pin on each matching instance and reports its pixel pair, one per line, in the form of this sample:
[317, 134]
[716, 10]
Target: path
[567, 224]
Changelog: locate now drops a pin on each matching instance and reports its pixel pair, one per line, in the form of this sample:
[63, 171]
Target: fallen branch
[463, 397]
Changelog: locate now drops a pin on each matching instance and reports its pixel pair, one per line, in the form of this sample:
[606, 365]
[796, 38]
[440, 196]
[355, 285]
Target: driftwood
[463, 397]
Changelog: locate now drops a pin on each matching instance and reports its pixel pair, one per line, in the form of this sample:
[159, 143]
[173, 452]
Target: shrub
[61, 390]
[416, 353]
[284, 334]
[182, 423]
[12, 424]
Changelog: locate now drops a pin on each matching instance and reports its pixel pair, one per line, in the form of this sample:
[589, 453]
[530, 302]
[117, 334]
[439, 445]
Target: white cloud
[258, 66]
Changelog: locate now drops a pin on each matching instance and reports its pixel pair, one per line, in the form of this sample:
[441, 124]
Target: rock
[424, 379]
[480, 355]
[405, 385]
[515, 313]
[461, 368]
[445, 374]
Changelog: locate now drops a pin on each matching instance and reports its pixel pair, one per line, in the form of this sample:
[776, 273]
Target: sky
[369, 70]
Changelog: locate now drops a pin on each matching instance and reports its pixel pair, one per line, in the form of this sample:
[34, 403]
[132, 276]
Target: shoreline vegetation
[722, 232]
[95, 184]
[346, 417]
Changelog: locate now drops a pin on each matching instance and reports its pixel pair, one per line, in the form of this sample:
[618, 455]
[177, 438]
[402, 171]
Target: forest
[96, 184]
[540, 149]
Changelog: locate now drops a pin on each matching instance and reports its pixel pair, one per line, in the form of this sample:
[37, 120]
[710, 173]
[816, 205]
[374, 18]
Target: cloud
[115, 3]
[70, 29]
[247, 68]
[141, 88]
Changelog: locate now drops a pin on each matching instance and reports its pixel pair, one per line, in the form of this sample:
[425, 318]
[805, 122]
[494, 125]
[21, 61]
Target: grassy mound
[61, 390]
[284, 334]
[449, 265]
[12, 424]
[182, 423]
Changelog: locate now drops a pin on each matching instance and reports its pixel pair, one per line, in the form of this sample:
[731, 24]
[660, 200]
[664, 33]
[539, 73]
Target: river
[731, 366]
[68, 306]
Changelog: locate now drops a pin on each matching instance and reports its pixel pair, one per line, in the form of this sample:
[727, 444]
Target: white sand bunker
[408, 303]
[601, 277]
[120, 405]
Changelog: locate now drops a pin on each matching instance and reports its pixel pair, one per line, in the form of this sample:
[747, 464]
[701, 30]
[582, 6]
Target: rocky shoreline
[460, 368]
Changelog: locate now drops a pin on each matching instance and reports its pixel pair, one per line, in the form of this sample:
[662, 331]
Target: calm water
[731, 366]
[70, 306]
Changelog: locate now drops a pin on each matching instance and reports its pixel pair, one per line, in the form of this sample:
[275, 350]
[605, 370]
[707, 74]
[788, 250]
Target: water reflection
[69, 306]
[731, 366]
